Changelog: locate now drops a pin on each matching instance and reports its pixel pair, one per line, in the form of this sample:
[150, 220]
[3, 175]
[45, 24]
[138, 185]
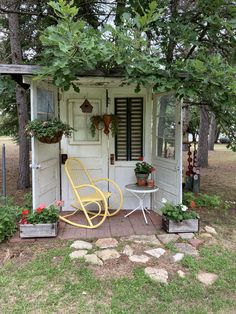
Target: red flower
[141, 158]
[42, 206]
[39, 210]
[192, 204]
[23, 221]
[25, 212]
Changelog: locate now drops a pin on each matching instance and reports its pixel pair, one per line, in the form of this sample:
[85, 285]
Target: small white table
[140, 193]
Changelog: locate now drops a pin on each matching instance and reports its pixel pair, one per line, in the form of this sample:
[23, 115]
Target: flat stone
[81, 245]
[107, 254]
[139, 258]
[106, 243]
[145, 239]
[210, 230]
[176, 257]
[157, 274]
[186, 249]
[206, 278]
[128, 250]
[167, 238]
[195, 242]
[205, 236]
[156, 252]
[181, 274]
[186, 236]
[93, 259]
[78, 254]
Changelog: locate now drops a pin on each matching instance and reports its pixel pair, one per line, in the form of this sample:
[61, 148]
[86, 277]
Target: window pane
[45, 104]
[166, 127]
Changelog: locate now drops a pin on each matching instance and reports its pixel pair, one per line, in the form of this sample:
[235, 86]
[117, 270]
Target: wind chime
[193, 172]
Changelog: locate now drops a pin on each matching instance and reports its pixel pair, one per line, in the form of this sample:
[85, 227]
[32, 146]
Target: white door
[133, 139]
[45, 157]
[92, 151]
[167, 149]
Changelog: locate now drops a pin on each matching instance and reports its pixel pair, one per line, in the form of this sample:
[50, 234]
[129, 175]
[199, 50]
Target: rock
[167, 238]
[128, 250]
[145, 239]
[186, 249]
[107, 254]
[181, 274]
[176, 257]
[81, 245]
[157, 274]
[186, 236]
[205, 235]
[78, 254]
[93, 259]
[210, 230]
[195, 242]
[156, 252]
[139, 258]
[206, 278]
[106, 243]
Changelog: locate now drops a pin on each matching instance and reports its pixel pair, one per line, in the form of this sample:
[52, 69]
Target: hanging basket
[51, 140]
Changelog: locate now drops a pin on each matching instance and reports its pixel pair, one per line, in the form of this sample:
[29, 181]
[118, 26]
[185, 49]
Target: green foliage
[8, 220]
[143, 167]
[202, 200]
[178, 212]
[50, 128]
[27, 198]
[41, 215]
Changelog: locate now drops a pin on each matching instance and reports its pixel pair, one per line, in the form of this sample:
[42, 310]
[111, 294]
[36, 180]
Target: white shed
[150, 127]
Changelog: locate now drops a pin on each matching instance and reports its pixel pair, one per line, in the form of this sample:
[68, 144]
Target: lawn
[49, 282]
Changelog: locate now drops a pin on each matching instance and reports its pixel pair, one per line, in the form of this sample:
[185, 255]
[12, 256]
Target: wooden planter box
[188, 225]
[39, 230]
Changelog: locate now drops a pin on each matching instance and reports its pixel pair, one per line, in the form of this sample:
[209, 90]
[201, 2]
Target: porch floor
[116, 226]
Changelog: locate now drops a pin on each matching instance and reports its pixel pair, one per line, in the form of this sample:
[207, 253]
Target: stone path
[159, 254]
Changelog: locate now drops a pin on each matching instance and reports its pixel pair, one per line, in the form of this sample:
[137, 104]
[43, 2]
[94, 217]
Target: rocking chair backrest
[77, 173]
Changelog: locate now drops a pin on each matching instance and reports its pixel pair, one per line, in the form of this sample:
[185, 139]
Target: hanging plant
[49, 131]
[107, 122]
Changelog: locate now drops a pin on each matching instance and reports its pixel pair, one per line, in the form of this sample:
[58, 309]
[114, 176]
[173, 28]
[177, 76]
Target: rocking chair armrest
[100, 192]
[113, 182]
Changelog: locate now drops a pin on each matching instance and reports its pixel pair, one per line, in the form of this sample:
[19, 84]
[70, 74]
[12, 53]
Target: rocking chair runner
[88, 193]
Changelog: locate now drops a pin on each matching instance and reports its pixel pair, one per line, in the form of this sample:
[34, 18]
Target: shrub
[202, 200]
[8, 221]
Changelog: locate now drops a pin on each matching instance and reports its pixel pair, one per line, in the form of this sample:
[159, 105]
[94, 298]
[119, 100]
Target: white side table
[140, 193]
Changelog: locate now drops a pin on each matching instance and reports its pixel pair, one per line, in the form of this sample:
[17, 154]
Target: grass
[51, 283]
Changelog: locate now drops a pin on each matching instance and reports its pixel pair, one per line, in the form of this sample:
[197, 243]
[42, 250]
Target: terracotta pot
[150, 183]
[107, 120]
[142, 178]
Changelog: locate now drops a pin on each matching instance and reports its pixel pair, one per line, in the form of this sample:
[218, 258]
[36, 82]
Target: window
[166, 125]
[80, 121]
[129, 140]
[45, 104]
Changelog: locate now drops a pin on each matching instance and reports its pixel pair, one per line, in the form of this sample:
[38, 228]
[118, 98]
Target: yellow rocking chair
[88, 193]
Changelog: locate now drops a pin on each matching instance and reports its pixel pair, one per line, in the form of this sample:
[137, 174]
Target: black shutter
[129, 140]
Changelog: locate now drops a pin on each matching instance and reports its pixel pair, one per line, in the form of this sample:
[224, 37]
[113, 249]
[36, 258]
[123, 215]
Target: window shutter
[129, 140]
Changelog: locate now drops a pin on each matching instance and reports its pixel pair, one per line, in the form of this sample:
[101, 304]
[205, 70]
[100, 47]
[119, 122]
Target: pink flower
[39, 210]
[192, 204]
[59, 203]
[42, 206]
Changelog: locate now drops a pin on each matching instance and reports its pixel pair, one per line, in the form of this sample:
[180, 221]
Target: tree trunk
[203, 137]
[212, 132]
[21, 99]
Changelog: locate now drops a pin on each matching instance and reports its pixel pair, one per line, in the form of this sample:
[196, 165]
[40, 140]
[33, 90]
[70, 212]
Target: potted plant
[179, 218]
[42, 222]
[49, 131]
[142, 171]
[108, 122]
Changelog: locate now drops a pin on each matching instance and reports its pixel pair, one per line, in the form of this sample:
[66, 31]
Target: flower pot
[107, 120]
[188, 225]
[39, 230]
[141, 178]
[49, 140]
